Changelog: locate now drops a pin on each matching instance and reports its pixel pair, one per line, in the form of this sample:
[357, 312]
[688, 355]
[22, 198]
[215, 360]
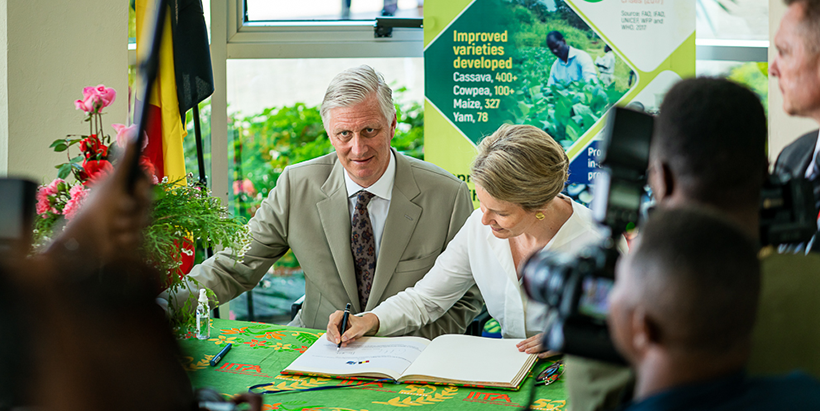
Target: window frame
[312, 39]
[732, 50]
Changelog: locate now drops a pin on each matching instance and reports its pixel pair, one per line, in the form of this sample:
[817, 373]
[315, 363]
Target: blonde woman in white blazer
[519, 172]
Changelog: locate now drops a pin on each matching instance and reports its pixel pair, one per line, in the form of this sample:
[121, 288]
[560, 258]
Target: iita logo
[488, 397]
[357, 362]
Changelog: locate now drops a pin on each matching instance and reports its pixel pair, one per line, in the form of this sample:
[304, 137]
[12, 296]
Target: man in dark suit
[797, 67]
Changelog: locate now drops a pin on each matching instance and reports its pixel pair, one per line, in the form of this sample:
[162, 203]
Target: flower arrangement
[183, 211]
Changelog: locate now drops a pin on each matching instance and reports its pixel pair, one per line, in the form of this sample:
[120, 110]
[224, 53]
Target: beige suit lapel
[402, 218]
[335, 217]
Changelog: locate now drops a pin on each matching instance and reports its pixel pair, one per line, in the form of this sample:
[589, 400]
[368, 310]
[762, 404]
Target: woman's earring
[539, 215]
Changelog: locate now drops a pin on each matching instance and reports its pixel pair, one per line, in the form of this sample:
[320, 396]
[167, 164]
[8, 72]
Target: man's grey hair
[354, 86]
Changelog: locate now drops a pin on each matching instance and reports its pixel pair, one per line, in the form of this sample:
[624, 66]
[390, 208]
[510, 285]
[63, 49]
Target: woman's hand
[533, 345]
[367, 324]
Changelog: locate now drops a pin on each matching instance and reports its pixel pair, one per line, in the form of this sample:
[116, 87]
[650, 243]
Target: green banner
[489, 62]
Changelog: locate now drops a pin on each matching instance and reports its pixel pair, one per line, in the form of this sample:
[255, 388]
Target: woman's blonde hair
[522, 165]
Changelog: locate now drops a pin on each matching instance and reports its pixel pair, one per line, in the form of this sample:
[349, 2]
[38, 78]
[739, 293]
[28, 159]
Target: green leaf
[61, 147]
[562, 111]
[574, 131]
[525, 108]
[587, 117]
[77, 159]
[64, 170]
[56, 142]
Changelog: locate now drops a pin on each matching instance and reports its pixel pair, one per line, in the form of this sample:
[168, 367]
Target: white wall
[53, 49]
[783, 129]
[4, 90]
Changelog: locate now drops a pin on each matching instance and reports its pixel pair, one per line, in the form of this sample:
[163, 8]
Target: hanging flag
[192, 55]
[184, 79]
[165, 128]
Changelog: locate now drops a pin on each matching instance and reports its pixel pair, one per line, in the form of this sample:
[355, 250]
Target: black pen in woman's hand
[344, 326]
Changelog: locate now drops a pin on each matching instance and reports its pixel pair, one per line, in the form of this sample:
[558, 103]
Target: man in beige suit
[415, 210]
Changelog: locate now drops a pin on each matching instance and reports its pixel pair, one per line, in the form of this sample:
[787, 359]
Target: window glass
[754, 75]
[274, 121]
[733, 19]
[132, 20]
[273, 10]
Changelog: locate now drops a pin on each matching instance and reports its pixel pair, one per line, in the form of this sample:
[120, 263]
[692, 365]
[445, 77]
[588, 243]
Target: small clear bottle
[203, 317]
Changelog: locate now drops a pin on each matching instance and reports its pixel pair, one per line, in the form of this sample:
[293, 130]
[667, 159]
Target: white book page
[365, 356]
[468, 358]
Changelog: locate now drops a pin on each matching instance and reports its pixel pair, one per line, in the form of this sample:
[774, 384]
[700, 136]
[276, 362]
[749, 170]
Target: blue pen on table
[214, 361]
[344, 326]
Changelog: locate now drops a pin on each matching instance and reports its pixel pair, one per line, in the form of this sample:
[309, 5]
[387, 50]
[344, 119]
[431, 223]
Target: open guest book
[451, 359]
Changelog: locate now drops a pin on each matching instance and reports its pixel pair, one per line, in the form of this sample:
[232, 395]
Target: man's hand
[533, 345]
[367, 324]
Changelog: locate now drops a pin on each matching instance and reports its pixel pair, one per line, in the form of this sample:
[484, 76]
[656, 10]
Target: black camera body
[787, 212]
[577, 287]
[17, 206]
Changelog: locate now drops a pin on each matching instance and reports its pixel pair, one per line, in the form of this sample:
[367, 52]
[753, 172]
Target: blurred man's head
[557, 45]
[797, 62]
[686, 294]
[709, 146]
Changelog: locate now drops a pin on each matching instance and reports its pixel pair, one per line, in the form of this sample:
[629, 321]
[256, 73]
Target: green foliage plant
[184, 210]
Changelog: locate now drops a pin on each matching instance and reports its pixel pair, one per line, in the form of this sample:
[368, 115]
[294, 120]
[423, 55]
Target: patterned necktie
[815, 179]
[814, 244]
[363, 246]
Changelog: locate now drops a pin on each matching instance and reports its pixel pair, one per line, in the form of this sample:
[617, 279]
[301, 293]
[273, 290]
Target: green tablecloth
[260, 351]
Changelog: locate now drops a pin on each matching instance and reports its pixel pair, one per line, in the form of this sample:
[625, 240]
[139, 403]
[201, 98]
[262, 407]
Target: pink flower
[43, 205]
[78, 194]
[90, 103]
[80, 105]
[95, 99]
[247, 186]
[45, 196]
[244, 186]
[53, 187]
[106, 94]
[124, 133]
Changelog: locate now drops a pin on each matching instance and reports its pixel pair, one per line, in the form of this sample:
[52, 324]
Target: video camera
[787, 213]
[577, 287]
